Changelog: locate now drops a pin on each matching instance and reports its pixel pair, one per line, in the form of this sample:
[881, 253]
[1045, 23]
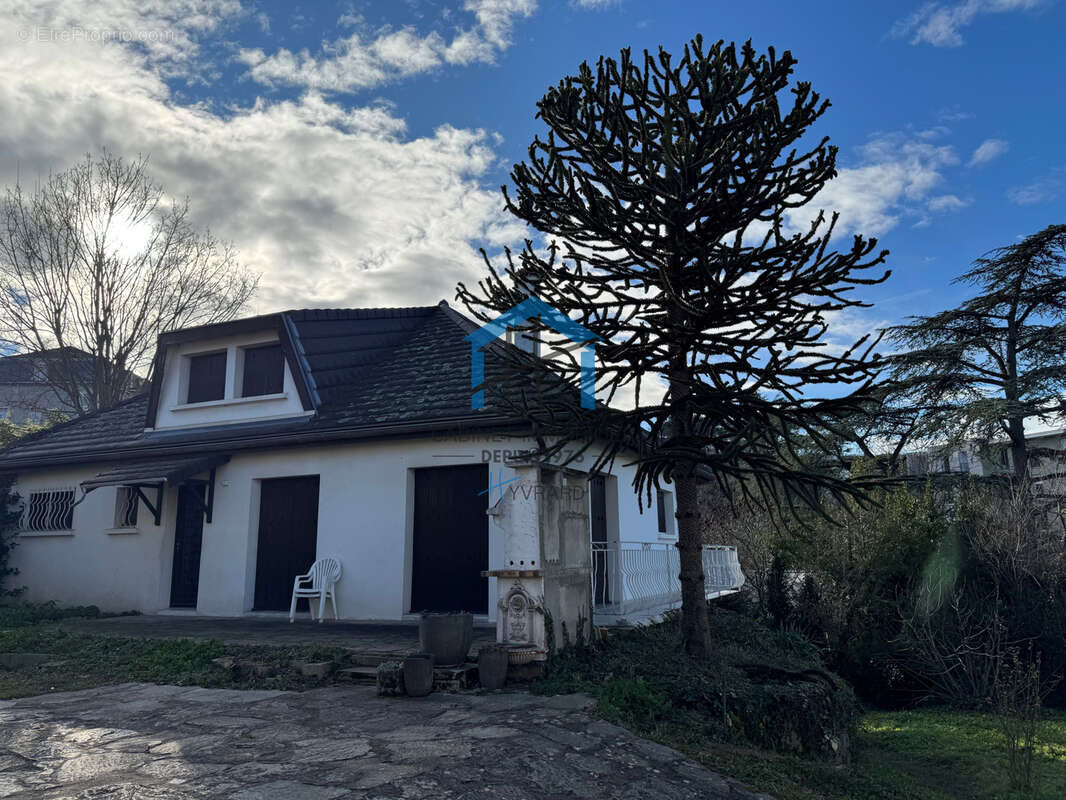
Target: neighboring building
[266, 442]
[1044, 466]
[26, 396]
[26, 393]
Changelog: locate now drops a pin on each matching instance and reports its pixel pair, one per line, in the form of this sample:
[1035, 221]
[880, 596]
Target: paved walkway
[377, 637]
[145, 742]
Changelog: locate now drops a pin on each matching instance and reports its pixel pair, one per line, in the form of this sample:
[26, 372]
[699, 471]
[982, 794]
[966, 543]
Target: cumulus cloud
[335, 205]
[941, 24]
[370, 58]
[894, 176]
[946, 202]
[988, 150]
[1042, 190]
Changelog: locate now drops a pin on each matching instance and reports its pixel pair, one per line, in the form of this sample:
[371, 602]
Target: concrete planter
[418, 674]
[492, 663]
[447, 636]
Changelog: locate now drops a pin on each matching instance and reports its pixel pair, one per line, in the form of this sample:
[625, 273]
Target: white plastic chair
[321, 582]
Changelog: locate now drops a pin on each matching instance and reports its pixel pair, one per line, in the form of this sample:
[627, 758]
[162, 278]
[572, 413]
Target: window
[264, 371]
[126, 503]
[49, 510]
[664, 505]
[207, 377]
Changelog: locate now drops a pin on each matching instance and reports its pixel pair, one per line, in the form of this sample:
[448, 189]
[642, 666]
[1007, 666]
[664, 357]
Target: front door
[451, 539]
[188, 538]
[288, 538]
[598, 529]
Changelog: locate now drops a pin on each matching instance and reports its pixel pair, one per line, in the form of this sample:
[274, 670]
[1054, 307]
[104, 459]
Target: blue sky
[353, 151]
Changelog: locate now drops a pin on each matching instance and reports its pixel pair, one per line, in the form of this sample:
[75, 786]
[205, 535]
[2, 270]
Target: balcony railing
[636, 576]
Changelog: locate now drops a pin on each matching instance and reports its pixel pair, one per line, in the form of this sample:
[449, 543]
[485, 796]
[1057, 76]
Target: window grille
[126, 503]
[49, 510]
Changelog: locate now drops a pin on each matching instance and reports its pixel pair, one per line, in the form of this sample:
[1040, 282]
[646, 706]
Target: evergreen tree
[979, 371]
[663, 187]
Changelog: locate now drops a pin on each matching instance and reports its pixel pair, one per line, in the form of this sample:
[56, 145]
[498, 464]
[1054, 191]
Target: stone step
[360, 674]
[371, 658]
[445, 679]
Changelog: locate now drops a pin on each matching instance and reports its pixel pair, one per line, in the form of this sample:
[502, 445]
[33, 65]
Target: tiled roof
[372, 370]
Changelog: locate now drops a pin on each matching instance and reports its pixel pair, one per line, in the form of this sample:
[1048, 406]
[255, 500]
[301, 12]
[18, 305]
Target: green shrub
[9, 518]
[629, 701]
[21, 615]
[764, 687]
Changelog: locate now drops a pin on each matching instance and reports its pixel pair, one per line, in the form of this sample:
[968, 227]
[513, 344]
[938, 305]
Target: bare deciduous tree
[100, 259]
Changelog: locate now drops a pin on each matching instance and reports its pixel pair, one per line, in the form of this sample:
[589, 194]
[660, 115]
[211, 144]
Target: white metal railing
[627, 576]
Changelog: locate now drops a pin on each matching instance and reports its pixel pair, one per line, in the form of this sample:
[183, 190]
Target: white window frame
[668, 510]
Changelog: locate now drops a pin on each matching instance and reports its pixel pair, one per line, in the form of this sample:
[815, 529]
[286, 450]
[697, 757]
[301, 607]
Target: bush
[763, 687]
[23, 615]
[9, 519]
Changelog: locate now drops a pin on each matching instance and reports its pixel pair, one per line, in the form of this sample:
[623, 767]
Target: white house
[266, 442]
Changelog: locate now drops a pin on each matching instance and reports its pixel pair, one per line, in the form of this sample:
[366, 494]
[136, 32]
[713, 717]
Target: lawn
[927, 754]
[81, 661]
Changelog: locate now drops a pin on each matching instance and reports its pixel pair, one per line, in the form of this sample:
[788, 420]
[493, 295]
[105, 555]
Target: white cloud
[988, 150]
[954, 114]
[1042, 190]
[369, 58]
[940, 24]
[165, 32]
[895, 177]
[594, 4]
[946, 202]
[334, 205]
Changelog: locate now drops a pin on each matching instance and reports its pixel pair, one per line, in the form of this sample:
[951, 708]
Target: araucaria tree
[99, 259]
[978, 372]
[668, 191]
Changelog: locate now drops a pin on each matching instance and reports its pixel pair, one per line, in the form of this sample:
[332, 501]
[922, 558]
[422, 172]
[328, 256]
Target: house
[1047, 447]
[266, 442]
[28, 382]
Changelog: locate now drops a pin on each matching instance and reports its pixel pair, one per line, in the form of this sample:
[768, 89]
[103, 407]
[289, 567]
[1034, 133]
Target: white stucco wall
[365, 519]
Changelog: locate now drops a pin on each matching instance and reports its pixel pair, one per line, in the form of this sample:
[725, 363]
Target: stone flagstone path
[146, 742]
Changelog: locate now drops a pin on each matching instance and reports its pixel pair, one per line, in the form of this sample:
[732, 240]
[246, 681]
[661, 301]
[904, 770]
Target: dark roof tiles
[371, 367]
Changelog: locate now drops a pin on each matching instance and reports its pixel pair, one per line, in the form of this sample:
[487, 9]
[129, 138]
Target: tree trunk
[695, 625]
[1019, 450]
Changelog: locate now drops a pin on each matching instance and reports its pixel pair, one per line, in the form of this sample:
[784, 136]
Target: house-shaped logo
[529, 308]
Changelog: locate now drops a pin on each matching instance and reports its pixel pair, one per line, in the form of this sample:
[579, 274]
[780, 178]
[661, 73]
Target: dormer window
[264, 371]
[207, 377]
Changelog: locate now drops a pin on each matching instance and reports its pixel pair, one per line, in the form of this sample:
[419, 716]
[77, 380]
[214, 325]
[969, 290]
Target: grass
[926, 754]
[82, 661]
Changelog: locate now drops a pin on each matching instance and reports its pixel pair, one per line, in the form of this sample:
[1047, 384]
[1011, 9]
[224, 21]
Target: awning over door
[171, 471]
[157, 473]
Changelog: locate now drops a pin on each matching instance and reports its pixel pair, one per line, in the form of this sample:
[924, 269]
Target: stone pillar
[547, 560]
[520, 580]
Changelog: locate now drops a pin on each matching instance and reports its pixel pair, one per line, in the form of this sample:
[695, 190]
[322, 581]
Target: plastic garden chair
[320, 581]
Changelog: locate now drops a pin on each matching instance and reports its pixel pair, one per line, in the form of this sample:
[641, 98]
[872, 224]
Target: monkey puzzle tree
[979, 371]
[666, 188]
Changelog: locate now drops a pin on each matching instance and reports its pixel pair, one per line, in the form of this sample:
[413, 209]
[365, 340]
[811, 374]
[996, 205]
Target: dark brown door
[188, 539]
[451, 540]
[598, 526]
[288, 537]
